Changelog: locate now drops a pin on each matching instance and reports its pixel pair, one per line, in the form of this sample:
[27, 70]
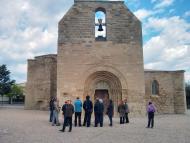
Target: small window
[155, 88]
[100, 24]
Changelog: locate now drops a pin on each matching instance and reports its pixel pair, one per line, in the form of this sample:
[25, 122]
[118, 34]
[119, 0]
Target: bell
[100, 28]
[100, 25]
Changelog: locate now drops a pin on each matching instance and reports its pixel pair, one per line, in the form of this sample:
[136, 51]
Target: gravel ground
[27, 126]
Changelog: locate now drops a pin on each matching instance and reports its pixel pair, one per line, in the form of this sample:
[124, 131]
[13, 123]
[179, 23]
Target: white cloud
[28, 29]
[163, 3]
[143, 13]
[187, 76]
[187, 14]
[170, 48]
[178, 52]
[134, 3]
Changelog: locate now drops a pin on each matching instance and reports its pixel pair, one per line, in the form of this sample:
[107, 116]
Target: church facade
[100, 54]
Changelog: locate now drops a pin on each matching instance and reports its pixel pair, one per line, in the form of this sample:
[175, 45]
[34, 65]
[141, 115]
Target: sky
[28, 28]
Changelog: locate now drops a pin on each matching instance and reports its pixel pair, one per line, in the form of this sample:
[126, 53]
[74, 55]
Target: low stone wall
[41, 82]
[171, 97]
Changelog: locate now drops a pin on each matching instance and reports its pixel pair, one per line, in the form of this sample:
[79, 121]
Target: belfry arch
[105, 81]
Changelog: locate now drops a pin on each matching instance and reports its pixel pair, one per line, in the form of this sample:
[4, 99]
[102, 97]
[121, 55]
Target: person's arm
[84, 105]
[63, 109]
[72, 109]
[80, 103]
[112, 110]
[146, 110]
[91, 106]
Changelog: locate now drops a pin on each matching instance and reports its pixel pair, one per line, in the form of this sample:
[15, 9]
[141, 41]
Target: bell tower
[100, 43]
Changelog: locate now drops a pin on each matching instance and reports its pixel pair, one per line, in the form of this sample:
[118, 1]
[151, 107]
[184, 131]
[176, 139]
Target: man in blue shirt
[78, 111]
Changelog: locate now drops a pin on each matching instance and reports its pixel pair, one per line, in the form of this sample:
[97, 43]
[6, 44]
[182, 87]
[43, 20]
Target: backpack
[88, 107]
[151, 108]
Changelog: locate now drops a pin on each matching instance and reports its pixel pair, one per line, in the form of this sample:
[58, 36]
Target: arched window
[100, 24]
[155, 88]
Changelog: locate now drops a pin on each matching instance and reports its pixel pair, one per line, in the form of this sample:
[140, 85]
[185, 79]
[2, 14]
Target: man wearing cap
[69, 110]
[98, 112]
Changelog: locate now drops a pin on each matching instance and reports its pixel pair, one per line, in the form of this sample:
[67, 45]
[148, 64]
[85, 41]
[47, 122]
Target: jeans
[99, 119]
[122, 119]
[55, 117]
[110, 118]
[87, 119]
[51, 116]
[78, 116]
[150, 119]
[126, 118]
[67, 121]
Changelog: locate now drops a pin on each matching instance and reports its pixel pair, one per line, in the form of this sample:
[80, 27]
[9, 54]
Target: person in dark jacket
[126, 112]
[64, 109]
[88, 107]
[69, 110]
[121, 110]
[51, 108]
[78, 110]
[110, 111]
[150, 110]
[99, 112]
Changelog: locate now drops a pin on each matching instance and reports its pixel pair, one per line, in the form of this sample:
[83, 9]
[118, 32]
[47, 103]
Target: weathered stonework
[83, 62]
[41, 81]
[84, 65]
[171, 97]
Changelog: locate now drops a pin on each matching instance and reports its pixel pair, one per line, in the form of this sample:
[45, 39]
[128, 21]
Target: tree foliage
[16, 91]
[187, 89]
[5, 81]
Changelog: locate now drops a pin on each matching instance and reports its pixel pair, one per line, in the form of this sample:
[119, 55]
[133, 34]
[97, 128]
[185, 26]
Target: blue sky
[28, 28]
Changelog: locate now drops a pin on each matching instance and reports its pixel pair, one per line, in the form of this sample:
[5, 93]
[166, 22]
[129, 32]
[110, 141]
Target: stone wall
[80, 56]
[180, 105]
[41, 81]
[171, 97]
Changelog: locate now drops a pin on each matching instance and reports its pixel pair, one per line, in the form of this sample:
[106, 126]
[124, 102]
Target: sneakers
[62, 130]
[149, 127]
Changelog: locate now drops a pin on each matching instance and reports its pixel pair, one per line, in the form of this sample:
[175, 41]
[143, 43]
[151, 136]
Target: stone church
[100, 54]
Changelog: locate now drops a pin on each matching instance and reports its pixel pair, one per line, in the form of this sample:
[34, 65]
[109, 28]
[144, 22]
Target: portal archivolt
[102, 81]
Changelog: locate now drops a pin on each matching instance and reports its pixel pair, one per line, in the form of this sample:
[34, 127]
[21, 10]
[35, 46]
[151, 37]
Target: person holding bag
[110, 111]
[126, 112]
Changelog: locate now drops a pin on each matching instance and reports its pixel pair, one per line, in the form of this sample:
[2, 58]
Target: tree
[5, 81]
[187, 90]
[16, 92]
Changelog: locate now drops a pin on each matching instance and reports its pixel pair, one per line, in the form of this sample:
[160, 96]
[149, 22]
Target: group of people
[68, 110]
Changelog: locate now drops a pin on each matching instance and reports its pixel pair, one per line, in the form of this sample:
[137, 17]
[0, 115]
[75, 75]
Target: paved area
[25, 126]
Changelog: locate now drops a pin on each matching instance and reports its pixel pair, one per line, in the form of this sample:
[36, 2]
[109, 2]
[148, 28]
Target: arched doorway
[105, 85]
